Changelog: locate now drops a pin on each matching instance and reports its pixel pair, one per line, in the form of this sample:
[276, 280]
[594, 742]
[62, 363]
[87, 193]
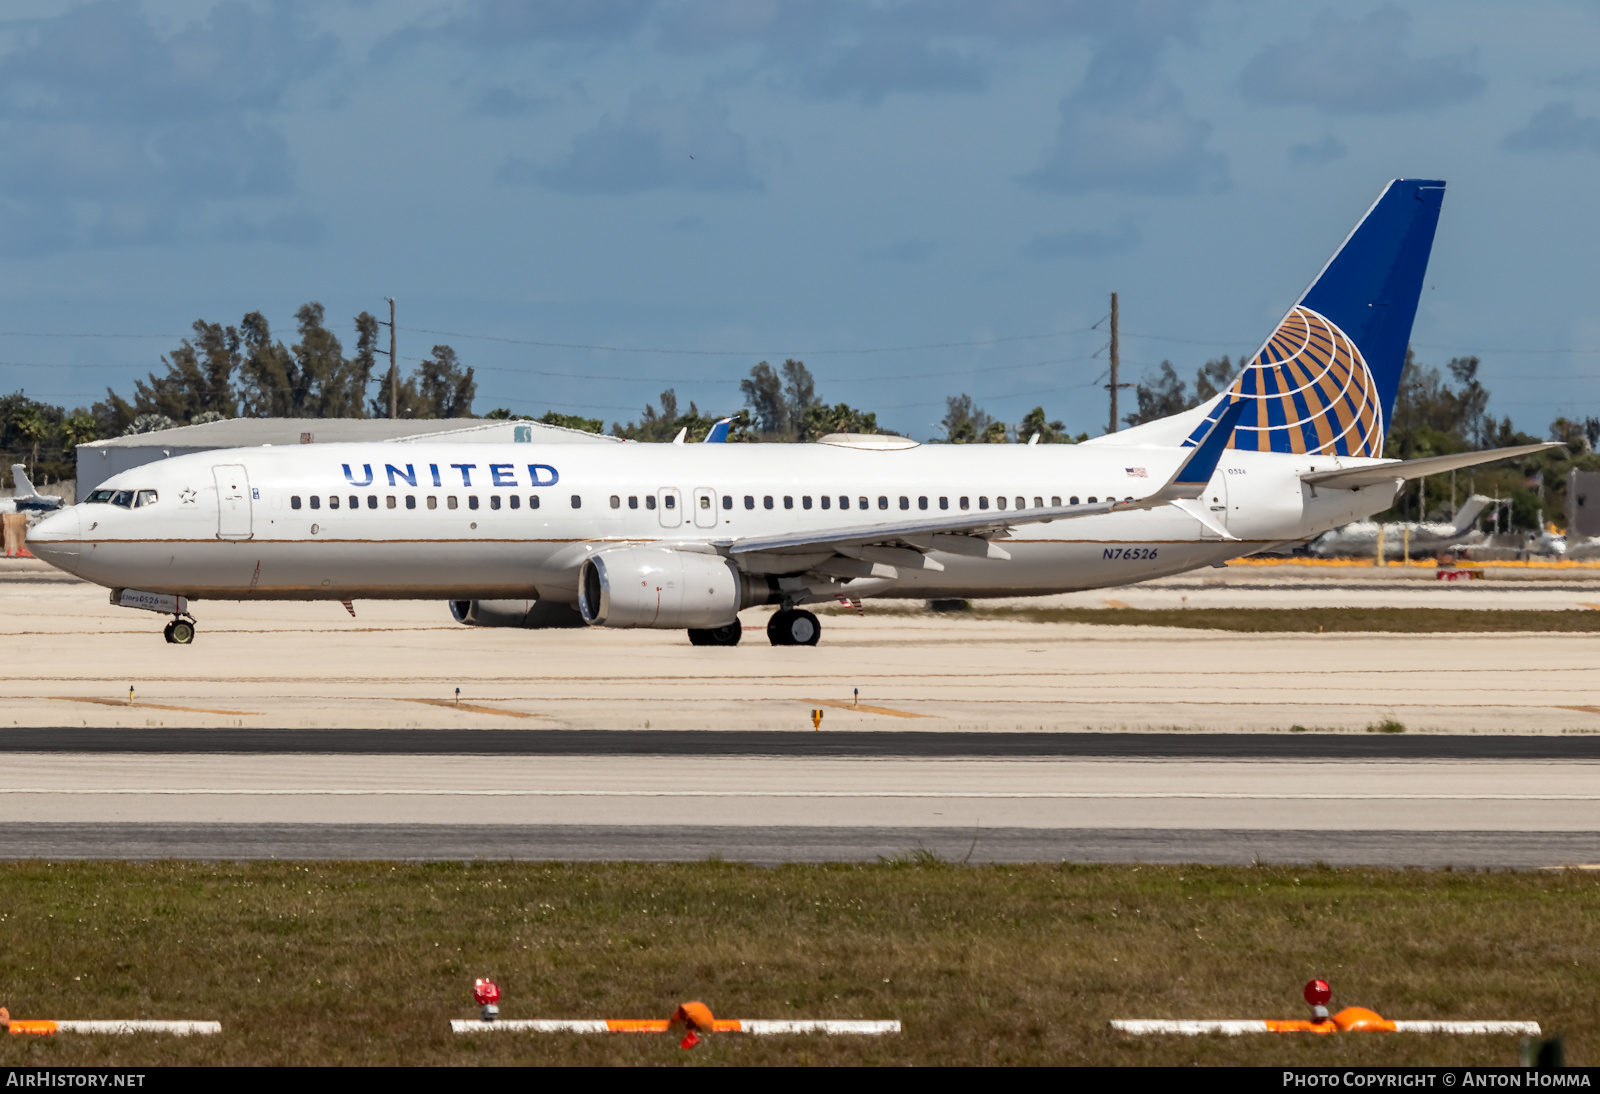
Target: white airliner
[26, 499]
[683, 536]
[1360, 540]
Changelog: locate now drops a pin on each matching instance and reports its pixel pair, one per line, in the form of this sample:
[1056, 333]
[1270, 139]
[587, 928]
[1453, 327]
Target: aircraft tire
[166, 632]
[717, 636]
[793, 628]
[182, 632]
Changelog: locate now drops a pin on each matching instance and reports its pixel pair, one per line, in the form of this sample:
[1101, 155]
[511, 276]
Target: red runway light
[485, 992]
[1318, 993]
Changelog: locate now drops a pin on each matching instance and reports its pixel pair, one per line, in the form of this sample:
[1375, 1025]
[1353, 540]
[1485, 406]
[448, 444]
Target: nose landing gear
[180, 632]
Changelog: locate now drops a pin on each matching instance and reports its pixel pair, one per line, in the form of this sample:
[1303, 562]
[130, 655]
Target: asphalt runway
[776, 845]
[799, 744]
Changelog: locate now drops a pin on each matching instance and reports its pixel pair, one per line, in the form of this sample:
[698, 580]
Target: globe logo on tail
[1308, 390]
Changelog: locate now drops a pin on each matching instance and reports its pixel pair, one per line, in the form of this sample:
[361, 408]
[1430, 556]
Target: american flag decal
[1137, 473]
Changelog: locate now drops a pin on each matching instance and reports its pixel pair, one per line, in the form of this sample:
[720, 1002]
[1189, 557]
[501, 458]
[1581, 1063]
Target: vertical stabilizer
[1325, 382]
[20, 480]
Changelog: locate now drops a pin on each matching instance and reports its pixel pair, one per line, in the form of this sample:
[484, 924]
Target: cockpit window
[123, 498]
[144, 497]
[100, 496]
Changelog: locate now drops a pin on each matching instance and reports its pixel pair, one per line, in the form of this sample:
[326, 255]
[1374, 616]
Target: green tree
[1161, 397]
[438, 388]
[573, 421]
[664, 426]
[779, 399]
[1034, 423]
[199, 377]
[1212, 378]
[819, 419]
[965, 422]
[35, 428]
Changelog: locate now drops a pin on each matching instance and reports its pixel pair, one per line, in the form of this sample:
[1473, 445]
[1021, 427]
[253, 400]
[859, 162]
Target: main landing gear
[717, 636]
[793, 627]
[180, 632]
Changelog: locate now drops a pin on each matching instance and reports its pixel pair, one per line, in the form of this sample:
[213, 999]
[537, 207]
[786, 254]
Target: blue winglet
[719, 432]
[1202, 463]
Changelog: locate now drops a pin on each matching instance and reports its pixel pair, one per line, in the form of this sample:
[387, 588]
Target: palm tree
[35, 427]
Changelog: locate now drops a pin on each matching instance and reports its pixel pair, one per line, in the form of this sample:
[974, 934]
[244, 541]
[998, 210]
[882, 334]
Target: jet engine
[665, 589]
[529, 614]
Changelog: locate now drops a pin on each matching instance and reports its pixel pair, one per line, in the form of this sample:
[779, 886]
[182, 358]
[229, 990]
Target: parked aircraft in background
[26, 499]
[682, 536]
[1360, 539]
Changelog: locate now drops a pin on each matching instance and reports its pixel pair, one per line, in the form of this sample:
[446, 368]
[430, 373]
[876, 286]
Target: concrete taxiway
[72, 657]
[294, 730]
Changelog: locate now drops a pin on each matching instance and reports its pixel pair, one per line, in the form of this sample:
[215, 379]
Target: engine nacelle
[528, 614]
[662, 588]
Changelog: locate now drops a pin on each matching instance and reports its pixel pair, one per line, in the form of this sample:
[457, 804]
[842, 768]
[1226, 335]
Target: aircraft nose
[57, 537]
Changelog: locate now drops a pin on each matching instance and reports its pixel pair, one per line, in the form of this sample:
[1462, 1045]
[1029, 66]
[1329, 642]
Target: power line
[745, 352]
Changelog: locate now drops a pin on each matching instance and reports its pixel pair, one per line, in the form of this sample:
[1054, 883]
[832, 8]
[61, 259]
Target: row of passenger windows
[669, 501]
[431, 501]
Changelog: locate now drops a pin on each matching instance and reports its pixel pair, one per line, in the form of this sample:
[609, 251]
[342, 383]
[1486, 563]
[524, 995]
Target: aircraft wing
[1187, 482]
[1355, 477]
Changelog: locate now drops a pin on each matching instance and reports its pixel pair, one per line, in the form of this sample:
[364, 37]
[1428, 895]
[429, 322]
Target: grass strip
[364, 963]
[1313, 620]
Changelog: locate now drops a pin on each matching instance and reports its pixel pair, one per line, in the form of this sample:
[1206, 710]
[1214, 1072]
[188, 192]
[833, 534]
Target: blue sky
[704, 185]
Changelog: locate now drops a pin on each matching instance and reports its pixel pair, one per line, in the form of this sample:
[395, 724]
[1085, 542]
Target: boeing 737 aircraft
[684, 536]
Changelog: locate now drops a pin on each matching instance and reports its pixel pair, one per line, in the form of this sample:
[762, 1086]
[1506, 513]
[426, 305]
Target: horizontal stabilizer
[1353, 478]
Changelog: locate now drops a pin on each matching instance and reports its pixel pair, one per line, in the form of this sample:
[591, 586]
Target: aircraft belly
[267, 569]
[1043, 567]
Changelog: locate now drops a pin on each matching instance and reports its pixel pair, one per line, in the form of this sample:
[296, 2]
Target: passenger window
[1000, 502]
[883, 502]
[964, 503]
[143, 498]
[1093, 499]
[905, 502]
[826, 501]
[805, 501]
[922, 502]
[577, 502]
[450, 502]
[944, 503]
[494, 501]
[616, 502]
[767, 501]
[472, 501]
[294, 501]
[983, 502]
[727, 501]
[788, 502]
[649, 501]
[705, 501]
[671, 501]
[316, 502]
[372, 501]
[749, 501]
[1022, 503]
[433, 502]
[389, 501]
[1038, 503]
[355, 502]
[1073, 500]
[861, 503]
[514, 501]
[633, 501]
[333, 501]
[411, 501]
[844, 501]
[533, 501]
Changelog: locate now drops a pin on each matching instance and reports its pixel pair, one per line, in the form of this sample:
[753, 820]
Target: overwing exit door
[233, 501]
[669, 507]
[705, 507]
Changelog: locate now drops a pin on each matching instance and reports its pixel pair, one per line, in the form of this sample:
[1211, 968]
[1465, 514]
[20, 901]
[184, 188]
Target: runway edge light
[487, 995]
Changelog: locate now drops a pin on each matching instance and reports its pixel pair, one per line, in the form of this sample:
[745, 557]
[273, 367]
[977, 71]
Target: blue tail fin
[1325, 382]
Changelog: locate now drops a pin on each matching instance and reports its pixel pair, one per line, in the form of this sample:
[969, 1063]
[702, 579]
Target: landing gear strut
[180, 632]
[793, 627]
[717, 636]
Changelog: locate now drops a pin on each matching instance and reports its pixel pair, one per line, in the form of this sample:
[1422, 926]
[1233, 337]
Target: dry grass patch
[363, 963]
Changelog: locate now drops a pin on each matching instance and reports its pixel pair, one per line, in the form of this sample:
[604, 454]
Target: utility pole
[1113, 386]
[394, 364]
